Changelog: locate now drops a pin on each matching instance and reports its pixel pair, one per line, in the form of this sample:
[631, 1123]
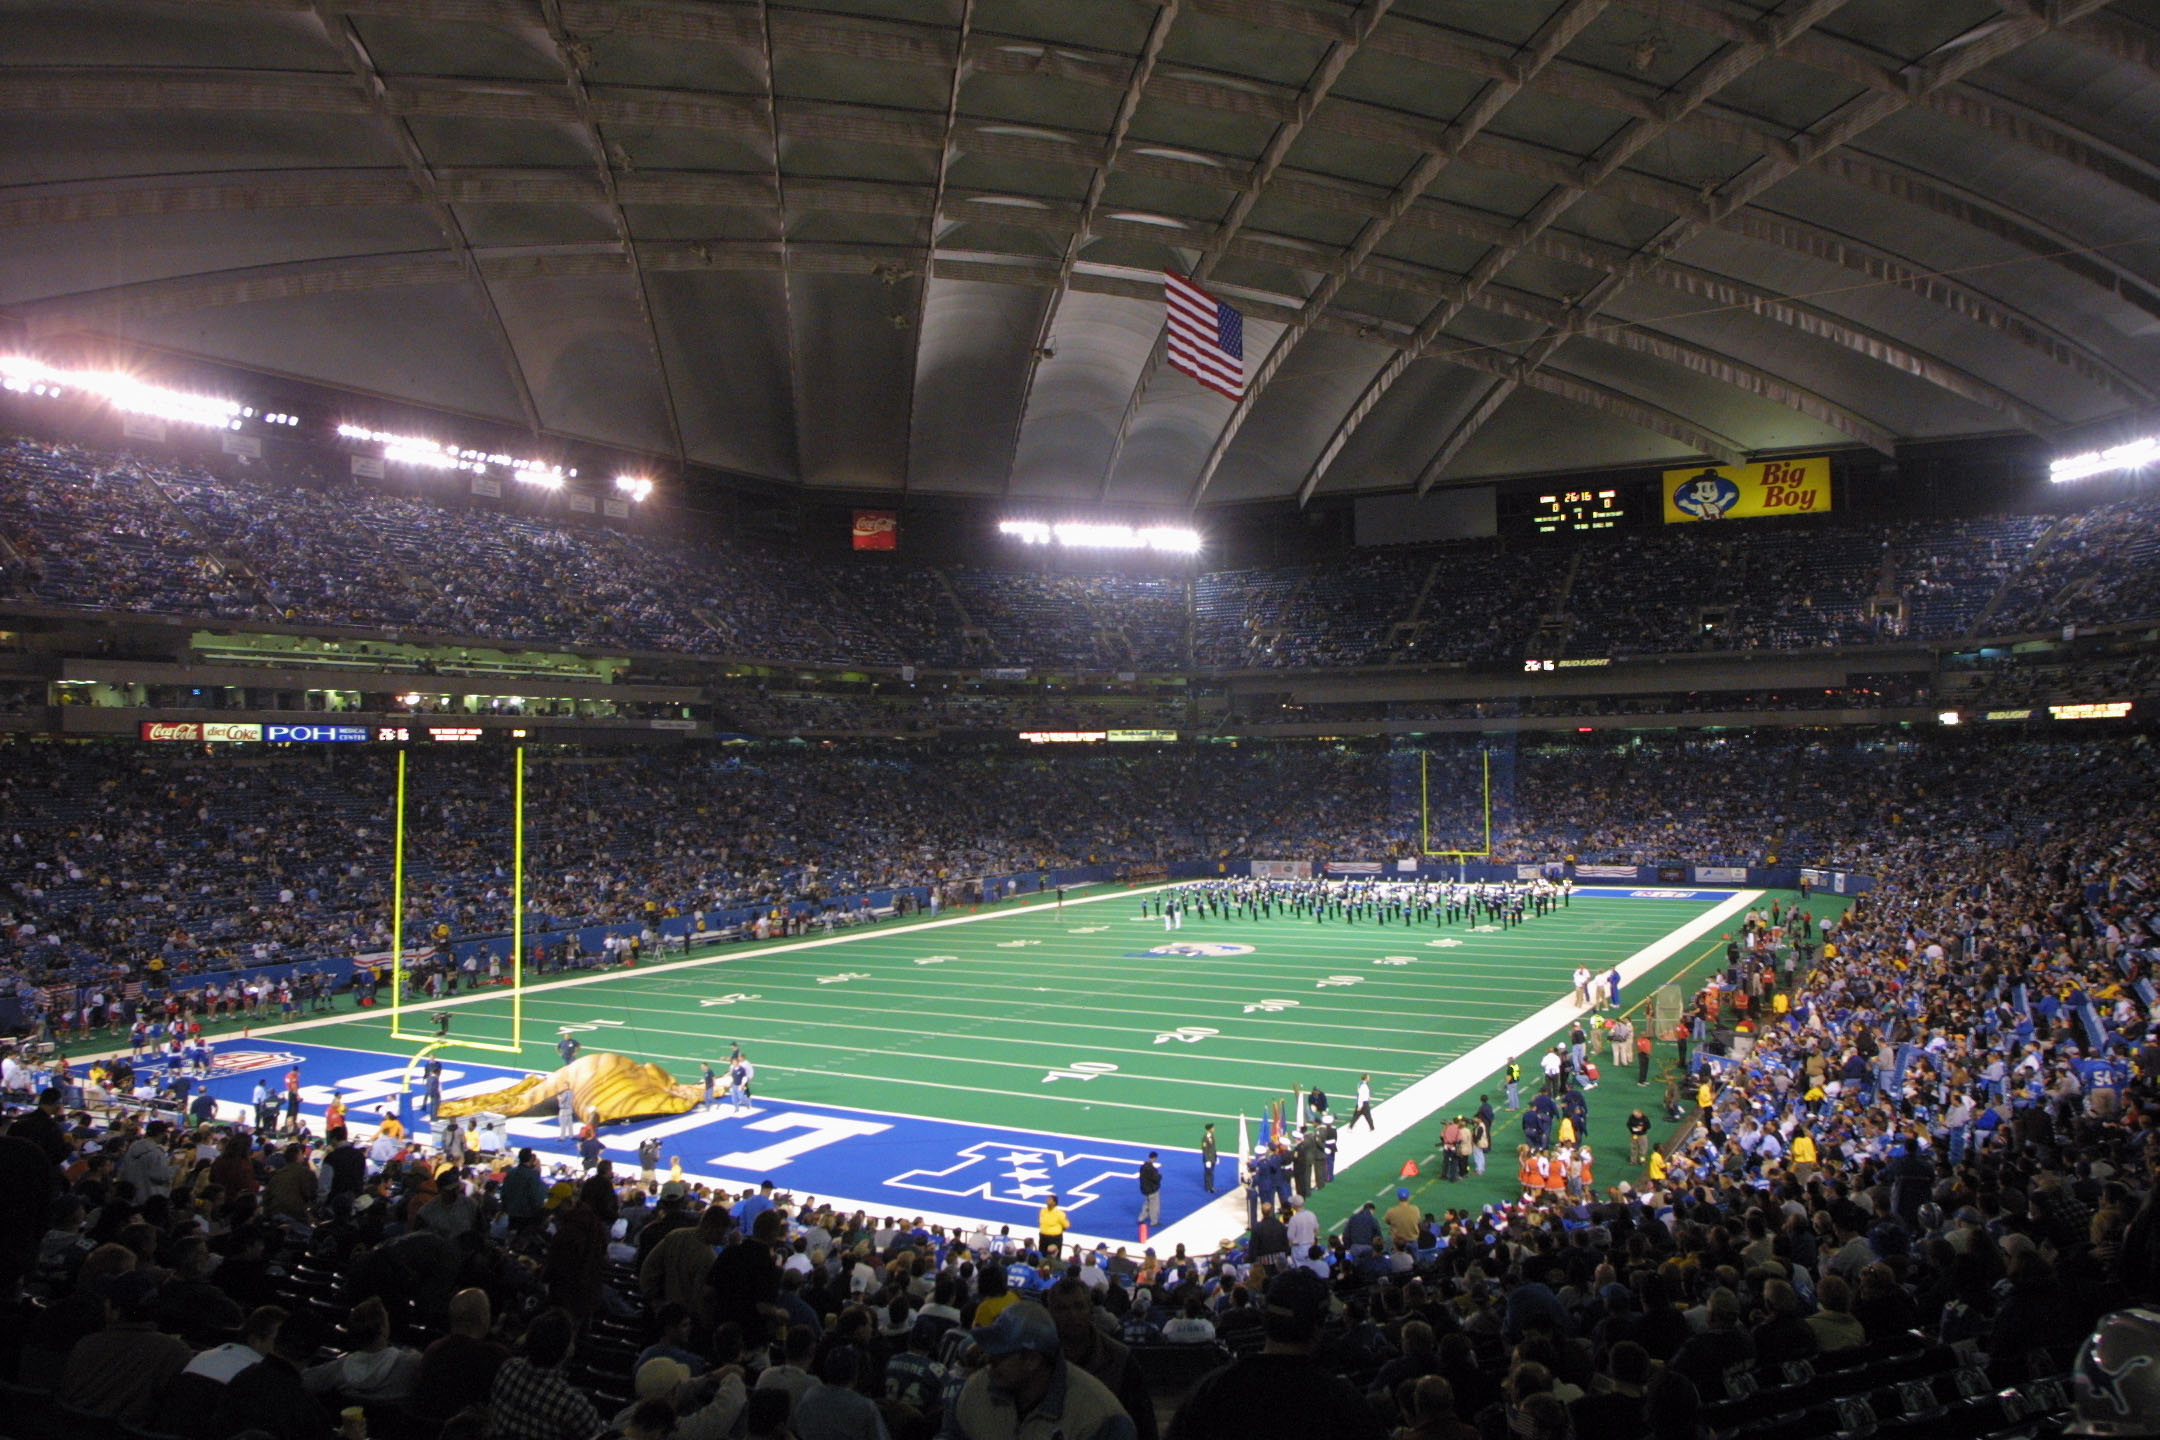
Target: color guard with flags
[1206, 337]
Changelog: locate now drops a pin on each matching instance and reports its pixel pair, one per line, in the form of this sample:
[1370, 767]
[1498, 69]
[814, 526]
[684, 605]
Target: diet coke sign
[229, 731]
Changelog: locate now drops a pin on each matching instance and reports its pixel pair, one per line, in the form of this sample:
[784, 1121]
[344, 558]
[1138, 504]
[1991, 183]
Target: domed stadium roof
[918, 245]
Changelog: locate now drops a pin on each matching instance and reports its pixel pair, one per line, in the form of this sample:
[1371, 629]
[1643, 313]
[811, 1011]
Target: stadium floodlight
[2134, 455]
[435, 455]
[1949, 717]
[1092, 536]
[123, 392]
[637, 487]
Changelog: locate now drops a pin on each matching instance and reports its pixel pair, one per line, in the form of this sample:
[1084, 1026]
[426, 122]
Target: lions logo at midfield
[1708, 496]
[1200, 949]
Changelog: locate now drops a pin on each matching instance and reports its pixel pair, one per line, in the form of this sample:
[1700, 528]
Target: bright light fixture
[2132, 456]
[124, 392]
[1091, 536]
[418, 450]
[637, 487]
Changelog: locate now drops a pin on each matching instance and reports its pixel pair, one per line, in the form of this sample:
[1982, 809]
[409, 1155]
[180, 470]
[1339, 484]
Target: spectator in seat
[1027, 1387]
[198, 1391]
[121, 1372]
[1674, 1409]
[1614, 1407]
[458, 1370]
[531, 1400]
[1721, 1345]
[372, 1371]
[1084, 1343]
[1780, 1332]
[1836, 1327]
[270, 1396]
[1283, 1391]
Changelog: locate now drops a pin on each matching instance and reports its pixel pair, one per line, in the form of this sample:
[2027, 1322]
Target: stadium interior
[678, 570]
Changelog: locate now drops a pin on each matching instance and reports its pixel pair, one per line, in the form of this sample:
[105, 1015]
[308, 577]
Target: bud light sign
[315, 734]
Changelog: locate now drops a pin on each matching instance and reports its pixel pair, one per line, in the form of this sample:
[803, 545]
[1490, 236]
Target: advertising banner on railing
[1721, 874]
[190, 730]
[315, 734]
[1607, 872]
[1282, 869]
[1747, 492]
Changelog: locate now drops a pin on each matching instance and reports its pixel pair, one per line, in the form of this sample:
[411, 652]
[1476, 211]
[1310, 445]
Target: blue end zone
[1639, 892]
[947, 1171]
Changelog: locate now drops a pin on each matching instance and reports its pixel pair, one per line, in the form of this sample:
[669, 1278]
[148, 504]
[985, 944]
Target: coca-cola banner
[226, 731]
[877, 530]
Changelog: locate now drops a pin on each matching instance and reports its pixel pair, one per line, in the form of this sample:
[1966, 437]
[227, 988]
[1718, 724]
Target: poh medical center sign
[1748, 492]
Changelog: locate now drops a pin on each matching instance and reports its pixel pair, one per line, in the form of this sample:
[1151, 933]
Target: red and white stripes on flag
[1207, 337]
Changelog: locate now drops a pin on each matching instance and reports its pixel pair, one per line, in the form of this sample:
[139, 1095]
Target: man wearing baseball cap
[1284, 1390]
[1026, 1390]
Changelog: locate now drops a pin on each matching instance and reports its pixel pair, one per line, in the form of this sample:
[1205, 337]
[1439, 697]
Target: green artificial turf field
[1061, 1021]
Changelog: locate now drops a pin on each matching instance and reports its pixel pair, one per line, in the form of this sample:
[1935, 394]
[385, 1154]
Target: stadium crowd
[121, 863]
[118, 531]
[1898, 1199]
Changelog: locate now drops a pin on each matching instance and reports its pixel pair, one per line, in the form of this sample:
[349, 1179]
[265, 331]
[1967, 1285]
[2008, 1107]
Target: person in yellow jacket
[1657, 1169]
[1051, 1226]
[1803, 1154]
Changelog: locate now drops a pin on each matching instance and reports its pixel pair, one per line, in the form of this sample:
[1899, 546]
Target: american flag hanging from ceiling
[1207, 337]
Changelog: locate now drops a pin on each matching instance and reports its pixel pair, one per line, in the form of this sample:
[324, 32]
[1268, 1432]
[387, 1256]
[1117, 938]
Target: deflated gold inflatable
[616, 1086]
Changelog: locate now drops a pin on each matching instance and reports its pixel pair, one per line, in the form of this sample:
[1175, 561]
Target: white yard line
[1394, 1117]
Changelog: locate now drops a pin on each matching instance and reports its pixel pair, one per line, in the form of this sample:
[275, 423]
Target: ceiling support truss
[573, 55]
[375, 100]
[1342, 48]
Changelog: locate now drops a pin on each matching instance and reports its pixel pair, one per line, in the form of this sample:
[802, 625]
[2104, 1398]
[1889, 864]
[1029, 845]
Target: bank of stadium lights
[2135, 455]
[25, 376]
[1103, 537]
[633, 487]
[434, 455]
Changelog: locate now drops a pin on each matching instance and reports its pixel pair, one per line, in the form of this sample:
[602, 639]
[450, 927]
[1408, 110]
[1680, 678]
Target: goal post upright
[1484, 806]
[444, 1041]
[517, 904]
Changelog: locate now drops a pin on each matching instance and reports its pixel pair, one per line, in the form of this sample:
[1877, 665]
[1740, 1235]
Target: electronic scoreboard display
[1573, 512]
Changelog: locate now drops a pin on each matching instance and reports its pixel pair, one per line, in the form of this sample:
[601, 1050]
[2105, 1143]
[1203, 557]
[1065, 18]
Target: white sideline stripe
[1393, 1117]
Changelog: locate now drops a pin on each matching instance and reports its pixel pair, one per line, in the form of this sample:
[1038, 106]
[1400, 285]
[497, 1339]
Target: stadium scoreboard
[1574, 512]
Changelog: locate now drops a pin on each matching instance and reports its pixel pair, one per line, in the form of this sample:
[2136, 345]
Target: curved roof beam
[1559, 30]
[179, 294]
[1342, 46]
[83, 201]
[1949, 62]
[782, 251]
[574, 55]
[959, 63]
[1136, 84]
[749, 115]
[375, 100]
[1727, 67]
[395, 271]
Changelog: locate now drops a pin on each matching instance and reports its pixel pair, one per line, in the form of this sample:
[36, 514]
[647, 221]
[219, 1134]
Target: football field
[964, 1067]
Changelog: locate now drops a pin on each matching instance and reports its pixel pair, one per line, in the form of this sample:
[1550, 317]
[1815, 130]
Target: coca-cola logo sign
[228, 731]
[877, 530]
